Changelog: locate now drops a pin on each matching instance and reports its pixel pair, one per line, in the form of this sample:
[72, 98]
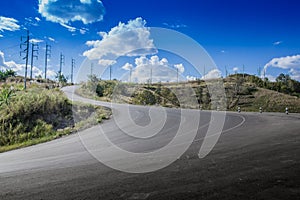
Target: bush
[144, 98]
[32, 114]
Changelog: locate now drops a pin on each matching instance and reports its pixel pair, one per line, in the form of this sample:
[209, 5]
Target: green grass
[39, 115]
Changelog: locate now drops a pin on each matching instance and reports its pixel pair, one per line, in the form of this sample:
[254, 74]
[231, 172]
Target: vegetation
[62, 80]
[39, 114]
[241, 90]
[98, 88]
[5, 74]
[284, 84]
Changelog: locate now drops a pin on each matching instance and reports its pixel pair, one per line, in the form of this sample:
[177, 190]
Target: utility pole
[151, 76]
[177, 75]
[26, 51]
[92, 67]
[61, 63]
[203, 72]
[226, 72]
[47, 56]
[243, 71]
[34, 49]
[130, 74]
[72, 69]
[109, 72]
[259, 72]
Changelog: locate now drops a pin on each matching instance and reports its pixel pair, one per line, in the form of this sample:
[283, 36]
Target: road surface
[256, 157]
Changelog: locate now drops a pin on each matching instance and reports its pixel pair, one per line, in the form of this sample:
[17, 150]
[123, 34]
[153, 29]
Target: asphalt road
[256, 157]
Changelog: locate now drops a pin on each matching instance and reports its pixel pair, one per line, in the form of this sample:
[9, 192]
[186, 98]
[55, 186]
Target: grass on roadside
[39, 115]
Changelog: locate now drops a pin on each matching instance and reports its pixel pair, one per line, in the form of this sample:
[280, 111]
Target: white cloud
[65, 11]
[20, 68]
[180, 67]
[277, 43]
[86, 1]
[127, 66]
[70, 28]
[175, 26]
[83, 30]
[235, 69]
[213, 74]
[295, 74]
[36, 40]
[106, 62]
[8, 24]
[1, 36]
[29, 21]
[291, 63]
[191, 78]
[271, 78]
[154, 68]
[51, 39]
[131, 39]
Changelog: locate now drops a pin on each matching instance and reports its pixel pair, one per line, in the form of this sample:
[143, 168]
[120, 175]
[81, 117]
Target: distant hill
[245, 91]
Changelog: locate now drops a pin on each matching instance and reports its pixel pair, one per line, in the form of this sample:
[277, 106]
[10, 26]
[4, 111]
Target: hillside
[247, 92]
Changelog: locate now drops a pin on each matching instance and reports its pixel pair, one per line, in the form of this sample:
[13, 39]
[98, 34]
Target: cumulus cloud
[153, 68]
[20, 68]
[106, 62]
[131, 39]
[8, 24]
[271, 78]
[291, 63]
[180, 67]
[191, 78]
[65, 11]
[235, 69]
[213, 74]
[127, 66]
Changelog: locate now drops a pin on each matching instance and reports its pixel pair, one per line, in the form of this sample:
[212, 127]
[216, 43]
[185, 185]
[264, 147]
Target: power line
[47, 56]
[26, 51]
[34, 49]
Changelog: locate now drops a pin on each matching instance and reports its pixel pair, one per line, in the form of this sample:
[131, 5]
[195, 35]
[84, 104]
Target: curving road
[256, 157]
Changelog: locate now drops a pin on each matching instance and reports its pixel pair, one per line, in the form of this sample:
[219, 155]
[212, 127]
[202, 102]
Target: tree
[5, 74]
[10, 73]
[61, 78]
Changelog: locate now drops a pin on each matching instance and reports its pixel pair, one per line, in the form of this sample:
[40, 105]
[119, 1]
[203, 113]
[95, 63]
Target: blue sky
[257, 34]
